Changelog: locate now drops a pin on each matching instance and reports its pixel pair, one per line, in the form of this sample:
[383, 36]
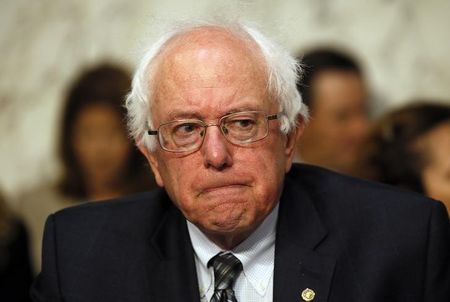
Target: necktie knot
[226, 270]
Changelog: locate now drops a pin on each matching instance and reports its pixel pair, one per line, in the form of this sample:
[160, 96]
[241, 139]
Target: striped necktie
[226, 270]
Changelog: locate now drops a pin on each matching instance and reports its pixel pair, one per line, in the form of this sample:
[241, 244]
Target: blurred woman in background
[410, 148]
[99, 160]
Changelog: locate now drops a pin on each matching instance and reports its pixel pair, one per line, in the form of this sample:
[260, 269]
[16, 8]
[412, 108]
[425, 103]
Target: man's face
[339, 121]
[224, 189]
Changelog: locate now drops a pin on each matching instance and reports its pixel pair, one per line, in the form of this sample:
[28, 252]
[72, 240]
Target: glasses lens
[244, 127]
[181, 135]
[238, 128]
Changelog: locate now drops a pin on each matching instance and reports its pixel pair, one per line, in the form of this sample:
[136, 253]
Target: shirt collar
[256, 252]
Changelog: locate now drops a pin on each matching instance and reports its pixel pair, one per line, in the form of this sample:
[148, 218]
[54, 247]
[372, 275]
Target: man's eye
[243, 123]
[185, 128]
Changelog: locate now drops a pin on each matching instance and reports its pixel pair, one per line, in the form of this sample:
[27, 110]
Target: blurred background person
[333, 87]
[98, 158]
[15, 267]
[410, 148]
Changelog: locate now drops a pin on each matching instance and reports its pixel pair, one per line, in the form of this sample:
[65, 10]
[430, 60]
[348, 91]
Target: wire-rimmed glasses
[239, 128]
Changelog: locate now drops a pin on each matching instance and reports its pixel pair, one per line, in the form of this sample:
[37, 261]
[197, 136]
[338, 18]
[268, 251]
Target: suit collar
[300, 231]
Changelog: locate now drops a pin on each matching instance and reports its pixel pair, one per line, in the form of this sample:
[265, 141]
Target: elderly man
[215, 110]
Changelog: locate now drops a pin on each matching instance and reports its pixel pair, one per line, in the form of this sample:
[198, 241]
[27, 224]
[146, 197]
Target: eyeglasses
[240, 128]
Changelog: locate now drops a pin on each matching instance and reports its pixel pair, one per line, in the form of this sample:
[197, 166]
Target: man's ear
[291, 139]
[153, 161]
[301, 124]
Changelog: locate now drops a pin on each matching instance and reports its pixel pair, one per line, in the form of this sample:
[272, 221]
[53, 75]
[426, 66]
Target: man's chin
[225, 224]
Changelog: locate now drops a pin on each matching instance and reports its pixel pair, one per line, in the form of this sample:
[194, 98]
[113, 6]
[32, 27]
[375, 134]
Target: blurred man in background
[333, 88]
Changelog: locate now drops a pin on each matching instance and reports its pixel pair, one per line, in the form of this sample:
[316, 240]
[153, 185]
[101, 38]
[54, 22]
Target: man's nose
[216, 149]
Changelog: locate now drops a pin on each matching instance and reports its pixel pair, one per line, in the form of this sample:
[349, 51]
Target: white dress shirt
[256, 253]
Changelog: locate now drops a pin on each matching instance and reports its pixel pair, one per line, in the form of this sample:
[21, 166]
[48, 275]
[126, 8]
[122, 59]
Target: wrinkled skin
[224, 189]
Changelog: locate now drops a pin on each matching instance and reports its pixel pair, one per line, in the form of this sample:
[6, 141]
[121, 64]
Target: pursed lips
[222, 187]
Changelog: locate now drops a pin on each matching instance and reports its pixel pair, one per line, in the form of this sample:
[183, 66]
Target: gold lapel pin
[308, 294]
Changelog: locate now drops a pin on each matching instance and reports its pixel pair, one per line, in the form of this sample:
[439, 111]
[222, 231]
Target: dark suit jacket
[348, 240]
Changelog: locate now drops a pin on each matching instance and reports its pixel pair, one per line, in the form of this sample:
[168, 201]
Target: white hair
[282, 74]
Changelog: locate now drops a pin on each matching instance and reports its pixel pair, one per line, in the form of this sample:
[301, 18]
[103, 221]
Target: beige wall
[404, 45]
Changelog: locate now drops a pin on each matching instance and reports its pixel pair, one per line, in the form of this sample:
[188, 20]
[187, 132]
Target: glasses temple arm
[272, 117]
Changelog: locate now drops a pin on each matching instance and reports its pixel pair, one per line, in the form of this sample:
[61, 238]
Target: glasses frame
[218, 124]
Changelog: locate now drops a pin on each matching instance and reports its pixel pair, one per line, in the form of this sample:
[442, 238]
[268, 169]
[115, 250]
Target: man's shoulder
[142, 208]
[152, 200]
[354, 209]
[329, 189]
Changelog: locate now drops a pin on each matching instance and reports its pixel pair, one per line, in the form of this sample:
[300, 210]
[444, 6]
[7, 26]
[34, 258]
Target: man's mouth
[223, 188]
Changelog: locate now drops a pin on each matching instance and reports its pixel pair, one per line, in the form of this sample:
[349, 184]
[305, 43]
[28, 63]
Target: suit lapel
[173, 272]
[298, 265]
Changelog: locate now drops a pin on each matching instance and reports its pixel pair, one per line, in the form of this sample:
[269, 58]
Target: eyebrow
[183, 114]
[243, 108]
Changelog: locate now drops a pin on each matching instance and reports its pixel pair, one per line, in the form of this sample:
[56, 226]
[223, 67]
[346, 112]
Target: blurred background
[403, 46]
[380, 111]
